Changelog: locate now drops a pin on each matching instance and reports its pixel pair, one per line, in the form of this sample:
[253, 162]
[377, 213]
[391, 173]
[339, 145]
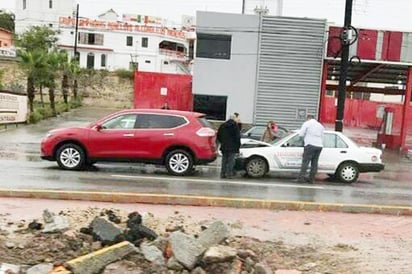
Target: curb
[188, 200]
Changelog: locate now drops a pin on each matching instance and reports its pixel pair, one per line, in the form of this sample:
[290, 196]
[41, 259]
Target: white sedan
[341, 157]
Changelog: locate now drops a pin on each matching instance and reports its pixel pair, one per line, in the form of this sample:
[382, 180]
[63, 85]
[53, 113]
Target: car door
[155, 132]
[288, 156]
[114, 138]
[335, 150]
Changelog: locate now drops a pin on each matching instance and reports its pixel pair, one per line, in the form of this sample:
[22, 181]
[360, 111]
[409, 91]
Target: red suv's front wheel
[179, 162]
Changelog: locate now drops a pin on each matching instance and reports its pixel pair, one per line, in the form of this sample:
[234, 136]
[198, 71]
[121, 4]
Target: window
[214, 46]
[165, 63]
[24, 4]
[147, 61]
[331, 140]
[159, 121]
[145, 42]
[129, 41]
[90, 60]
[50, 4]
[121, 122]
[51, 25]
[103, 60]
[295, 141]
[213, 106]
[91, 38]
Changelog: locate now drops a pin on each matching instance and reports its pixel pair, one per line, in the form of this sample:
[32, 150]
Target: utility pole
[243, 6]
[76, 56]
[344, 63]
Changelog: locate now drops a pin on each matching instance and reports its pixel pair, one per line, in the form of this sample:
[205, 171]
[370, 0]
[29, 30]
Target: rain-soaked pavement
[22, 168]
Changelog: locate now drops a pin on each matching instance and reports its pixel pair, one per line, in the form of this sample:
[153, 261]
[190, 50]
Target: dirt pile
[177, 245]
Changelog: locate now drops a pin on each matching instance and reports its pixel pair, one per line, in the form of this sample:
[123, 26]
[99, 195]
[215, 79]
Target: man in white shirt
[312, 133]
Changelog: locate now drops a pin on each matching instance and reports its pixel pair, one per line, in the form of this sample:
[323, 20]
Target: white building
[109, 42]
[263, 67]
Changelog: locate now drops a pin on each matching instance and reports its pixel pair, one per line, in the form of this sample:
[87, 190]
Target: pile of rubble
[135, 248]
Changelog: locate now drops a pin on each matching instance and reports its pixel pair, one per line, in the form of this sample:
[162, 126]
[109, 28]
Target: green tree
[7, 21]
[34, 44]
[37, 37]
[53, 64]
[33, 63]
[75, 72]
[65, 68]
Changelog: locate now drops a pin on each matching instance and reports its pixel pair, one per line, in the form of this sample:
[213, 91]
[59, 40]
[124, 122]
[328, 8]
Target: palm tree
[75, 71]
[53, 64]
[33, 63]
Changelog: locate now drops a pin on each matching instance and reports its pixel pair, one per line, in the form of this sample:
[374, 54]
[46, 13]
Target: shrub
[35, 116]
[124, 73]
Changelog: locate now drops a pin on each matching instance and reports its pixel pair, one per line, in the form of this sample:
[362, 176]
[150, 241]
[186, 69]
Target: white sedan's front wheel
[348, 172]
[256, 167]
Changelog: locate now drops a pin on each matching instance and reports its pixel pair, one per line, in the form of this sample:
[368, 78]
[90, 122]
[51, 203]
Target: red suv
[177, 139]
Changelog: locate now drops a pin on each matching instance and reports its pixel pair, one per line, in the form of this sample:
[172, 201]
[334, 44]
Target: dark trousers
[228, 164]
[310, 154]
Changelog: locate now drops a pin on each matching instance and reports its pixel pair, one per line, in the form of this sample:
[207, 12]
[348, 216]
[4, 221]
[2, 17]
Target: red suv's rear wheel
[179, 162]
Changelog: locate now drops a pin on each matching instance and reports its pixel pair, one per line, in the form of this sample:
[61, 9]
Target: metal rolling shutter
[289, 69]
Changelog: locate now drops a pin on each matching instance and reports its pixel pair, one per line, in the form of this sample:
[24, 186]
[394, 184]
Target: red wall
[148, 85]
[368, 45]
[361, 113]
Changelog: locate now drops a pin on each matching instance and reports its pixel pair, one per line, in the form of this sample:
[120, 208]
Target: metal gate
[291, 53]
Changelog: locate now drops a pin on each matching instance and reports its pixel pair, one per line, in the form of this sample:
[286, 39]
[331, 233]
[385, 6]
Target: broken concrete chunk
[152, 253]
[185, 249]
[213, 235]
[122, 267]
[48, 216]
[219, 254]
[105, 230]
[198, 270]
[40, 269]
[261, 268]
[58, 223]
[9, 268]
[94, 262]
[174, 264]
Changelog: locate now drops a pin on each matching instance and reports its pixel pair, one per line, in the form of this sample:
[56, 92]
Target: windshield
[280, 140]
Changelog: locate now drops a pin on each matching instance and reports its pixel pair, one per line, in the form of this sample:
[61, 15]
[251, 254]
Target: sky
[378, 14]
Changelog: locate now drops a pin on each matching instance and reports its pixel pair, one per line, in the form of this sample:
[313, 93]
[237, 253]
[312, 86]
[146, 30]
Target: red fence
[153, 90]
[362, 113]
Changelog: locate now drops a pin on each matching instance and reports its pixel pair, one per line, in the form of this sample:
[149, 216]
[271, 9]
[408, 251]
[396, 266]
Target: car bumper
[206, 161]
[48, 158]
[371, 167]
[240, 163]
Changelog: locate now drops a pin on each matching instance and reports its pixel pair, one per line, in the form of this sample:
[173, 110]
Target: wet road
[22, 168]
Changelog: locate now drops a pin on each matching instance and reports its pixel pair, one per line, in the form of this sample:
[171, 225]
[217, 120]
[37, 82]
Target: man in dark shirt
[228, 135]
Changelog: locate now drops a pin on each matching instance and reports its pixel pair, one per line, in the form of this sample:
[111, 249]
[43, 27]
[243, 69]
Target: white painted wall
[37, 12]
[238, 82]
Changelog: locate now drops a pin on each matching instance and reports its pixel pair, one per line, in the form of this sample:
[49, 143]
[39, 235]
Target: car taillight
[206, 132]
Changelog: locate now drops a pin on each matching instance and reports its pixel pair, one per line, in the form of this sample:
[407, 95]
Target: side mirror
[98, 127]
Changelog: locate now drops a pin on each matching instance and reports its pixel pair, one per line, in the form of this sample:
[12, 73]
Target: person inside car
[270, 132]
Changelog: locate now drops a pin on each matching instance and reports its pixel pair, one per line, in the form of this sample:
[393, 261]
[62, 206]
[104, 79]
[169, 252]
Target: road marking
[217, 181]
